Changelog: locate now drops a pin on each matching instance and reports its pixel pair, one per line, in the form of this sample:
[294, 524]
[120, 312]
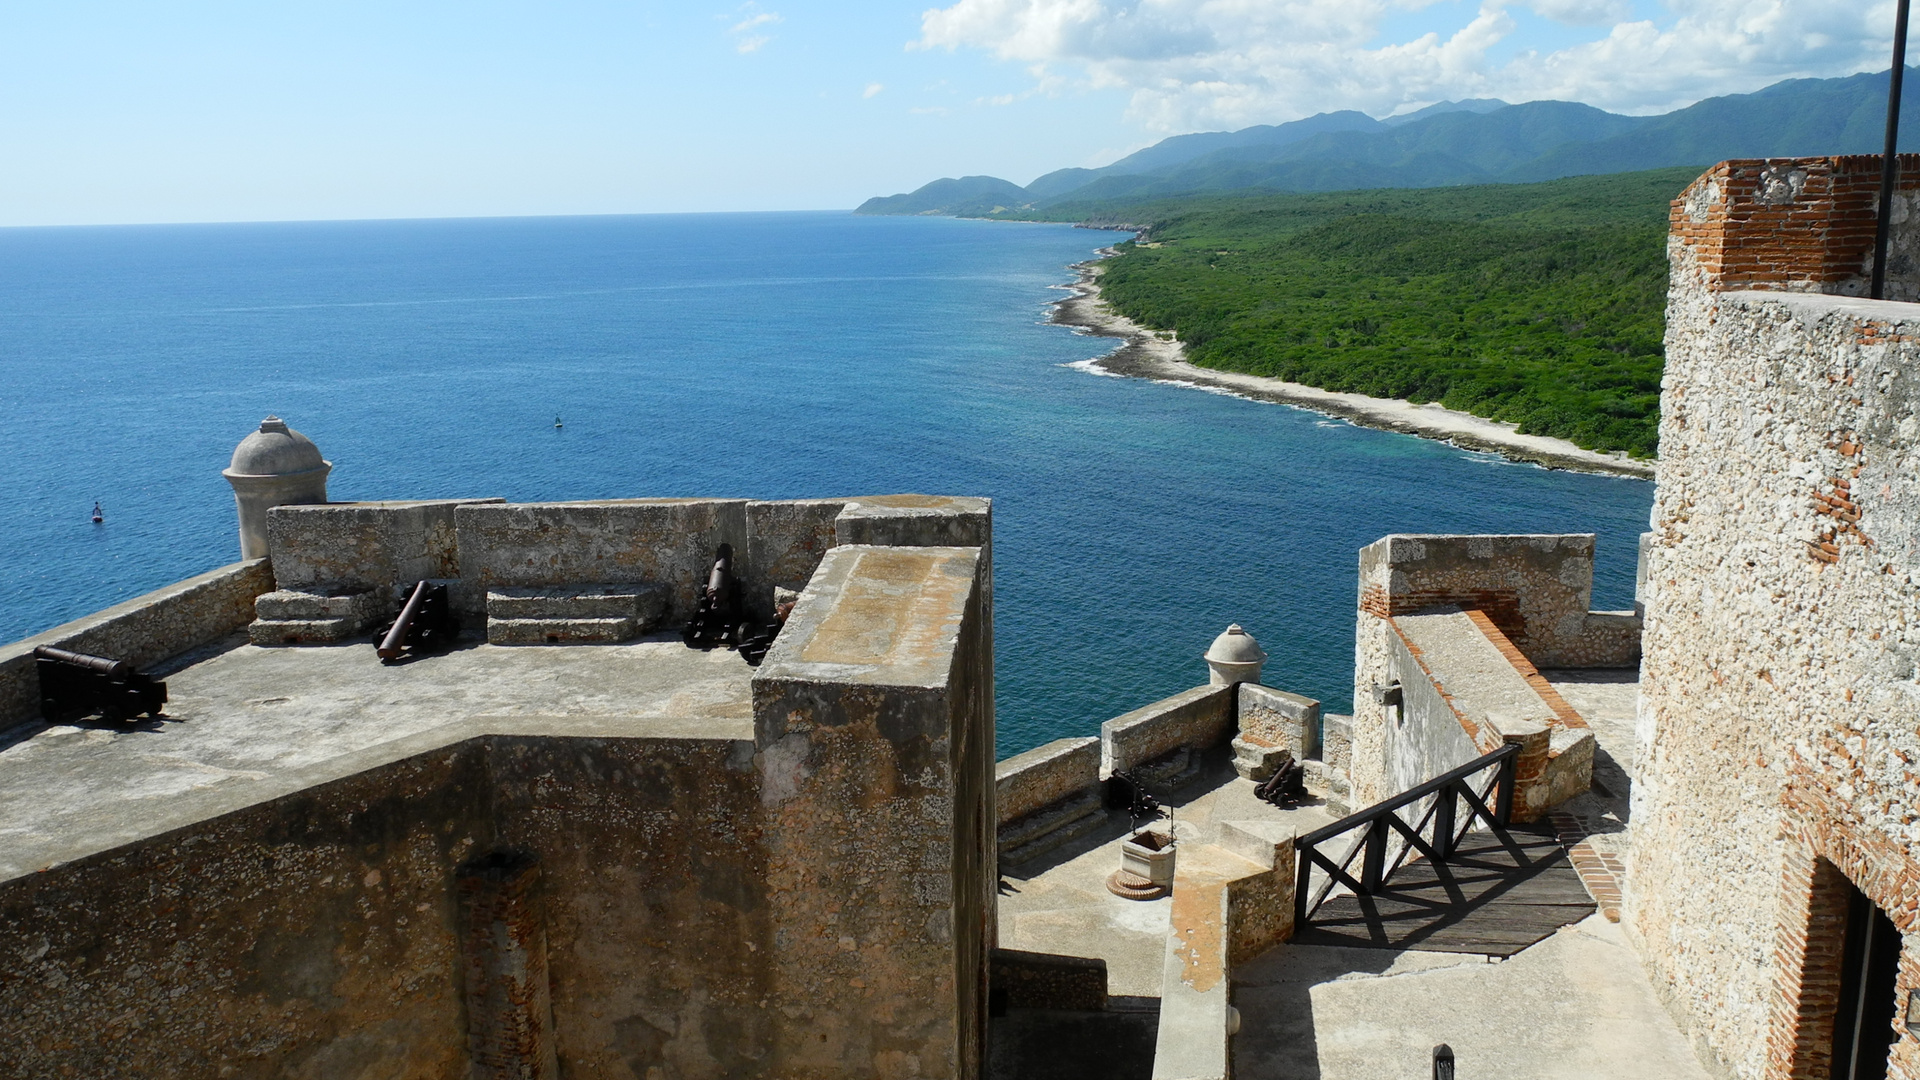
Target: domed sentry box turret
[1234, 658]
[275, 466]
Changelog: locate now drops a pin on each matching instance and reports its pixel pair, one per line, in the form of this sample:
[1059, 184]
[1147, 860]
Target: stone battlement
[326, 865]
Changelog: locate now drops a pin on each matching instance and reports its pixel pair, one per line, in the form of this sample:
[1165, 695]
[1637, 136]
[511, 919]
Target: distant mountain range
[1481, 141]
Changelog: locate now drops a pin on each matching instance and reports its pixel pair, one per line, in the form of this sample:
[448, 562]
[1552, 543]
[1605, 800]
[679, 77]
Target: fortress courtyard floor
[245, 724]
[1575, 1005]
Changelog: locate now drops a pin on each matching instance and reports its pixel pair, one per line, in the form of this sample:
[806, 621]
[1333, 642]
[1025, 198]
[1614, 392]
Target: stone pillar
[274, 466]
[873, 731]
[503, 954]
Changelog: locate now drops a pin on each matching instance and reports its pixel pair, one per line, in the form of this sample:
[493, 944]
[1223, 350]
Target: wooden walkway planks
[1493, 897]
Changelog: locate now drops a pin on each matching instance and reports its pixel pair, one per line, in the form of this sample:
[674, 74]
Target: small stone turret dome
[1234, 658]
[1235, 646]
[275, 450]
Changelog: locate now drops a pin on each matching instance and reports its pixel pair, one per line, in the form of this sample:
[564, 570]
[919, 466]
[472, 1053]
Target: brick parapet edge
[1600, 872]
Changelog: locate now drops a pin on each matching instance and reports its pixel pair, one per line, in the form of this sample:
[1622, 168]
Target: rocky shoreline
[1147, 355]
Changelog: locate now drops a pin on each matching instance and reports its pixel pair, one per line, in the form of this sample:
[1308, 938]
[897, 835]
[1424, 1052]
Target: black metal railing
[1382, 821]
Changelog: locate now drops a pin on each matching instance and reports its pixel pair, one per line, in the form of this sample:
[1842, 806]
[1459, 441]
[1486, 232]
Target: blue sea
[758, 355]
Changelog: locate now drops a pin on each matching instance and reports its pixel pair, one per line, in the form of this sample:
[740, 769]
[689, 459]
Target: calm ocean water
[762, 355]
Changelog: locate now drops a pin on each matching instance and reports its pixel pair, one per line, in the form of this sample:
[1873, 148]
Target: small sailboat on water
[98, 515]
[556, 421]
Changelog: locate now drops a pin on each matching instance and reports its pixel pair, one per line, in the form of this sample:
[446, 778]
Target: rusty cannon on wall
[76, 684]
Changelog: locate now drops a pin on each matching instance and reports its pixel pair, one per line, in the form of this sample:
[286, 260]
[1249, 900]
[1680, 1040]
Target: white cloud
[872, 89]
[751, 19]
[1581, 12]
[1191, 64]
[747, 24]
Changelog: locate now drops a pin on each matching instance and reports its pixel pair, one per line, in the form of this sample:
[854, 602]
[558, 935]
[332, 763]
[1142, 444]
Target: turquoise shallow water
[762, 355]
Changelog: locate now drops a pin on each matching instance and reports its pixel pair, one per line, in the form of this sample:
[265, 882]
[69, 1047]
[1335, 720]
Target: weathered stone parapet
[916, 521]
[364, 545]
[874, 742]
[142, 631]
[785, 542]
[1196, 719]
[669, 542]
[246, 939]
[1048, 796]
[1336, 735]
[1046, 775]
[1464, 691]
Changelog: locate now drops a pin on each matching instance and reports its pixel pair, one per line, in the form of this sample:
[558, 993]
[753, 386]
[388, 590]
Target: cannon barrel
[395, 643]
[117, 670]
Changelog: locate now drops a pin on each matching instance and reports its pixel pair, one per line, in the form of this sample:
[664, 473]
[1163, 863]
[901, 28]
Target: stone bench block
[365, 604]
[643, 602]
[279, 632]
[561, 631]
[1050, 827]
[1256, 760]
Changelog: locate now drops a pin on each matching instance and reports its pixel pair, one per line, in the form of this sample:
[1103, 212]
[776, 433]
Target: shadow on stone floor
[1055, 1044]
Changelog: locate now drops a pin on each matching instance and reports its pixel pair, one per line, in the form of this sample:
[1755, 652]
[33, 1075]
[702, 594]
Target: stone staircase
[574, 614]
[289, 617]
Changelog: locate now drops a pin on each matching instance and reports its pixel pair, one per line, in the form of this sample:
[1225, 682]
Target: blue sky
[142, 112]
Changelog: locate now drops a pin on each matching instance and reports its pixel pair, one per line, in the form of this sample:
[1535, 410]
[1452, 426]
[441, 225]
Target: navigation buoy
[98, 516]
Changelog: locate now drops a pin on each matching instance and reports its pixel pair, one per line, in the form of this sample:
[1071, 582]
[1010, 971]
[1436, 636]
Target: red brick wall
[1790, 224]
[1827, 847]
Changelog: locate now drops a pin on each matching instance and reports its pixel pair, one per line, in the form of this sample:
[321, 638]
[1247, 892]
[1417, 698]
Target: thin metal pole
[1889, 162]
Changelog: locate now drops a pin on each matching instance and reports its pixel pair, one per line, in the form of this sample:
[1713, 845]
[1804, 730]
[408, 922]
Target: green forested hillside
[1539, 304]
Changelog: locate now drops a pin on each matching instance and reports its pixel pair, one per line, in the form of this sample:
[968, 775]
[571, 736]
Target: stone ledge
[561, 631]
[645, 602]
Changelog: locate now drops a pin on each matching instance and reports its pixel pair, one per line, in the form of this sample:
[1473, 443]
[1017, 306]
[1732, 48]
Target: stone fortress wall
[1450, 635]
[1776, 727]
[804, 888]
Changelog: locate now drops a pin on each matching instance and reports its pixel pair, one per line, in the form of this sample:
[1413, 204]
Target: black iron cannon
[76, 684]
[716, 606]
[425, 624]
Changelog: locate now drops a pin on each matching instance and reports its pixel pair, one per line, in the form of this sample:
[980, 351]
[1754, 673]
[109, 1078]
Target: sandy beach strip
[1147, 355]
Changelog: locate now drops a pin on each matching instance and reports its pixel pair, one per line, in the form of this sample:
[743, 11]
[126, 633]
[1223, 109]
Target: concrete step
[276, 632]
[561, 631]
[643, 602]
[284, 604]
